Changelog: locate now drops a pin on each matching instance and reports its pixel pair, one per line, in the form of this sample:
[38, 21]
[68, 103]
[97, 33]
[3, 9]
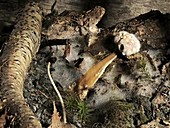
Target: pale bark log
[15, 60]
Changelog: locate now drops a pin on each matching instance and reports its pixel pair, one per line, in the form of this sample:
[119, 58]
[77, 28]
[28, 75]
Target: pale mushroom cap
[128, 43]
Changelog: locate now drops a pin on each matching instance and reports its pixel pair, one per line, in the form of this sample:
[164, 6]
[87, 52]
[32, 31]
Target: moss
[117, 114]
[77, 108]
[142, 67]
[143, 118]
[71, 102]
[83, 111]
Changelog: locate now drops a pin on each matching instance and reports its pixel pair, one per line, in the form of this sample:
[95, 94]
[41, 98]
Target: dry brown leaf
[56, 123]
[56, 120]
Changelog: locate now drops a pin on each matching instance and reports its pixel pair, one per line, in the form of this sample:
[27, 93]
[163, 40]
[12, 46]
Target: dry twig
[58, 93]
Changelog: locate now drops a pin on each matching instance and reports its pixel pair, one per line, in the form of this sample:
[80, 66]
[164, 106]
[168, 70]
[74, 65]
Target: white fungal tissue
[128, 43]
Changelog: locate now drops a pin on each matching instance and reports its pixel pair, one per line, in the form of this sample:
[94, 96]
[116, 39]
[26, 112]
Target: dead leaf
[56, 123]
[56, 120]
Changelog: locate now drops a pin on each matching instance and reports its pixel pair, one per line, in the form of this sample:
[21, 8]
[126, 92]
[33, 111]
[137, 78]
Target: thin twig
[58, 93]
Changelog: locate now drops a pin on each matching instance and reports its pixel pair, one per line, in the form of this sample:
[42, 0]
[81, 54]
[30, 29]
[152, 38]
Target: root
[58, 93]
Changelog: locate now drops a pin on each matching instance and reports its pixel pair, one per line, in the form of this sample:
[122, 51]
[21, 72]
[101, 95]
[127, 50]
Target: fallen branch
[15, 60]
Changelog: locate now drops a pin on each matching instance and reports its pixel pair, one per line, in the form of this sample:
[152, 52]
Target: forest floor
[131, 92]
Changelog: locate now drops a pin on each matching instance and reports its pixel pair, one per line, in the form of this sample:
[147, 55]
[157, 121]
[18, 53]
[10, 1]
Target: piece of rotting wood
[15, 60]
